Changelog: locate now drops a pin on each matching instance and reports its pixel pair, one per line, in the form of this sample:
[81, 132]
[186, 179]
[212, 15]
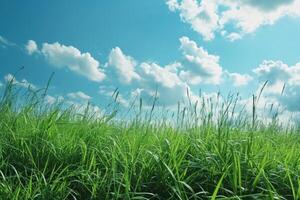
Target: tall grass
[54, 152]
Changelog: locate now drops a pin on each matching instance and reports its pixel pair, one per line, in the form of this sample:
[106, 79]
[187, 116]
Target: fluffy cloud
[283, 82]
[275, 71]
[70, 57]
[31, 47]
[163, 80]
[62, 56]
[210, 16]
[169, 82]
[150, 79]
[202, 15]
[239, 79]
[199, 64]
[124, 65]
[159, 75]
[23, 83]
[79, 96]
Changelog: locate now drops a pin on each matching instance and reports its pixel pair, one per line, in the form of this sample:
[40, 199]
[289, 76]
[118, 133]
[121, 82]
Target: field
[53, 152]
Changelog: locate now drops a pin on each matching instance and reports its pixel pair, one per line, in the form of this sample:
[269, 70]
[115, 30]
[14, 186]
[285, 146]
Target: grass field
[53, 152]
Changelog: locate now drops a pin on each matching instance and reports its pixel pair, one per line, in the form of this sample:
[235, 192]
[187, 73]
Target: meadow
[54, 152]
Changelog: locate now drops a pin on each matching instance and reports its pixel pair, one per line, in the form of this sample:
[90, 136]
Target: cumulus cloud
[169, 82]
[31, 47]
[208, 17]
[202, 16]
[239, 79]
[79, 96]
[283, 82]
[200, 66]
[124, 65]
[160, 75]
[162, 81]
[70, 57]
[275, 71]
[147, 79]
[23, 83]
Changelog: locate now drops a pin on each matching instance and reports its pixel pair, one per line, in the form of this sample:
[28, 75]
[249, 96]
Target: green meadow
[56, 152]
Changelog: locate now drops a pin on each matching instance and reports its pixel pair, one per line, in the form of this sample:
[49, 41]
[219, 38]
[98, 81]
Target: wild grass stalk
[208, 152]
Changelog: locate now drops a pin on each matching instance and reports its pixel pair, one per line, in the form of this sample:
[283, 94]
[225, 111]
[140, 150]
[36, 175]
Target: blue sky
[139, 45]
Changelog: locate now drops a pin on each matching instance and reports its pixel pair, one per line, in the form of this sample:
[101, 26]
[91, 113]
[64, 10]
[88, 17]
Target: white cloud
[124, 65]
[202, 16]
[267, 108]
[160, 75]
[274, 71]
[283, 82]
[210, 16]
[170, 88]
[199, 64]
[231, 36]
[70, 57]
[239, 79]
[163, 80]
[23, 83]
[31, 47]
[171, 81]
[79, 96]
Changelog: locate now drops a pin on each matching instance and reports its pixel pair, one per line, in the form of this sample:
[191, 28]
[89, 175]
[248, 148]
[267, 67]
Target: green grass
[53, 152]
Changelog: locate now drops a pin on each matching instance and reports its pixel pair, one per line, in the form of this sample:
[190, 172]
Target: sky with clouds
[140, 47]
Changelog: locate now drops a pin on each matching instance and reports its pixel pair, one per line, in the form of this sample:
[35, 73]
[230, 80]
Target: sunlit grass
[54, 152]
